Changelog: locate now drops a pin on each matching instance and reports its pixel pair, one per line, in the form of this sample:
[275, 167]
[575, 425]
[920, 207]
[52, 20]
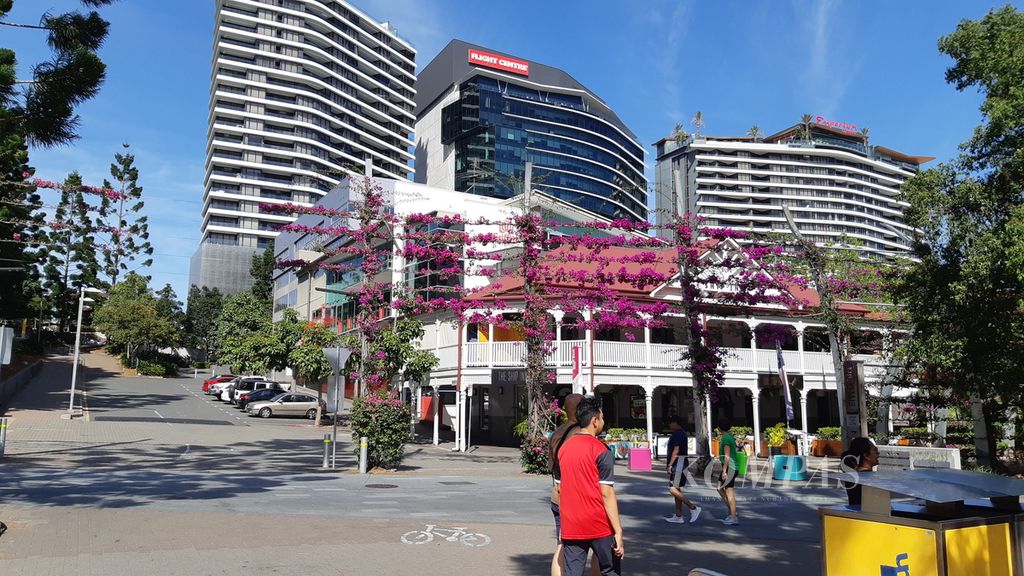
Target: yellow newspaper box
[954, 523]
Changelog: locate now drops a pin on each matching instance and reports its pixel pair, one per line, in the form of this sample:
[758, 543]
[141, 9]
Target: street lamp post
[78, 340]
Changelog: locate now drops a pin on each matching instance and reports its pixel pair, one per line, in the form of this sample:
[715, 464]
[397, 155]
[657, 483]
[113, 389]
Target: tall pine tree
[120, 222]
[69, 254]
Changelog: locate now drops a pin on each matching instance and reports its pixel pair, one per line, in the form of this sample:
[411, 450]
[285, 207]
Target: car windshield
[277, 397]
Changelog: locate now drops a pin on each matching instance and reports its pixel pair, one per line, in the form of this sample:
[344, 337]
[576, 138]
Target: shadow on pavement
[121, 475]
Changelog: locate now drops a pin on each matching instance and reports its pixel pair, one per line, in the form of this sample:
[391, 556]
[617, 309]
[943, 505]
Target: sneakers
[731, 521]
[695, 513]
[675, 519]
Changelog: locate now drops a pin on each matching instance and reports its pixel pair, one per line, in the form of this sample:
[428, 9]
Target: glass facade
[496, 127]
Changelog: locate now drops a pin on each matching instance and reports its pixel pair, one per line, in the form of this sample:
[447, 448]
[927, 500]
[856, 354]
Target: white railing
[818, 362]
[509, 353]
[666, 355]
[620, 354]
[634, 355]
[564, 352]
[477, 354]
[738, 360]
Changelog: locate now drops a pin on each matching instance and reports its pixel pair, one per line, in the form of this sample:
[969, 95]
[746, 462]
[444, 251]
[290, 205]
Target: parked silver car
[286, 405]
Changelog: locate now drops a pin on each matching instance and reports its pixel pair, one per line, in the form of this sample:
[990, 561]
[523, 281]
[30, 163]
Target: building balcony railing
[633, 355]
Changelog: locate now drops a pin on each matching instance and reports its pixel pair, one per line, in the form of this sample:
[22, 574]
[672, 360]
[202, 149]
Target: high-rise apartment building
[482, 115]
[302, 94]
[840, 189]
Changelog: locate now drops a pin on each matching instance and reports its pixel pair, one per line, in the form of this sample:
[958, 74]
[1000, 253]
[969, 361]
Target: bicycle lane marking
[456, 535]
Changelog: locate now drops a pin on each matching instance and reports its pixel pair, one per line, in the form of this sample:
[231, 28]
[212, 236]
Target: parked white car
[219, 388]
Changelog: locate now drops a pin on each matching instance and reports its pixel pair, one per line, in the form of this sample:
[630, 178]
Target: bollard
[3, 436]
[327, 446]
[363, 443]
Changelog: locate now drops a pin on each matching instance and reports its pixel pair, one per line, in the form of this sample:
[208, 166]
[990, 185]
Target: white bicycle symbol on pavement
[449, 534]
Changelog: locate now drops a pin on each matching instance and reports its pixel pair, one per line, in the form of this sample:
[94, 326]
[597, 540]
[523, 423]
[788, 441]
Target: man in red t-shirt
[590, 513]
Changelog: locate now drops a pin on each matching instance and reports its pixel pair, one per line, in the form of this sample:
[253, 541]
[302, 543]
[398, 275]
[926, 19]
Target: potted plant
[776, 437]
[828, 442]
[916, 437]
[743, 435]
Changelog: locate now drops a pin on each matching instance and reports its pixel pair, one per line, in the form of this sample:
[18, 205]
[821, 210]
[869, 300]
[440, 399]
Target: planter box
[787, 449]
[830, 448]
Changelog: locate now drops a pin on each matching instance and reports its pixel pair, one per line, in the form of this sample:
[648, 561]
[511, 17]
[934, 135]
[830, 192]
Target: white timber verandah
[641, 374]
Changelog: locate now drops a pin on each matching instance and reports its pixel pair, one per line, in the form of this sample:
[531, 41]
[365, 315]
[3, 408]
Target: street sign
[854, 420]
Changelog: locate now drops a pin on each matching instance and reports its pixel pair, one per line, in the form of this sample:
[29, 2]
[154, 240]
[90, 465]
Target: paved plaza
[157, 478]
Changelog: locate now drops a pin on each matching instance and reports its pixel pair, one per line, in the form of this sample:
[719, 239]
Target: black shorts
[677, 477]
[558, 522]
[730, 479]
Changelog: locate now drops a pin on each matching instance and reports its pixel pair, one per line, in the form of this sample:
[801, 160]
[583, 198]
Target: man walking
[560, 435]
[590, 512]
[677, 464]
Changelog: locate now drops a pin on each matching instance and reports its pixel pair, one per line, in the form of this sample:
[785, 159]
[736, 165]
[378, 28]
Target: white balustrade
[620, 354]
[737, 360]
[818, 362]
[565, 352]
[634, 355]
[509, 353]
[666, 355]
[477, 353]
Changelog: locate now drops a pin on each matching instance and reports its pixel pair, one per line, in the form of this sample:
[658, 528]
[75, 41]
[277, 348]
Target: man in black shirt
[677, 463]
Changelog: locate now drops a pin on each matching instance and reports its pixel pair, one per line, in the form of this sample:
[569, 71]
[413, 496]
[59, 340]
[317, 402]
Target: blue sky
[871, 63]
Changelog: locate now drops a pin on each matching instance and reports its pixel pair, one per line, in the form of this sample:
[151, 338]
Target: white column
[437, 415]
[800, 347]
[756, 403]
[490, 344]
[649, 404]
[557, 315]
[647, 343]
[710, 425]
[803, 418]
[462, 420]
[753, 345]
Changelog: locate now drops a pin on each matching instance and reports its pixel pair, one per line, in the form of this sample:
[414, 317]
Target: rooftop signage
[504, 63]
[837, 125]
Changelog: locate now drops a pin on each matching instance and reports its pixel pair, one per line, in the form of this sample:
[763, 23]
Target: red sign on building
[499, 62]
[852, 128]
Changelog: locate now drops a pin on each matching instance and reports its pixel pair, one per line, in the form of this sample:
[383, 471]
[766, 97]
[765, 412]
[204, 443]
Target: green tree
[201, 316]
[394, 352]
[42, 109]
[69, 254]
[131, 319]
[308, 360]
[39, 111]
[169, 307]
[243, 315]
[16, 201]
[120, 223]
[964, 295]
[262, 271]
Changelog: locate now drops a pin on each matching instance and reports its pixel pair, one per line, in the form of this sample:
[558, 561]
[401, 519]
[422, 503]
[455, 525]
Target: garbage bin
[967, 524]
[741, 463]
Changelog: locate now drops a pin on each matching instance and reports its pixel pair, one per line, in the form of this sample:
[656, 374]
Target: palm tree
[806, 120]
[755, 132]
[698, 122]
[864, 136]
[680, 134]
